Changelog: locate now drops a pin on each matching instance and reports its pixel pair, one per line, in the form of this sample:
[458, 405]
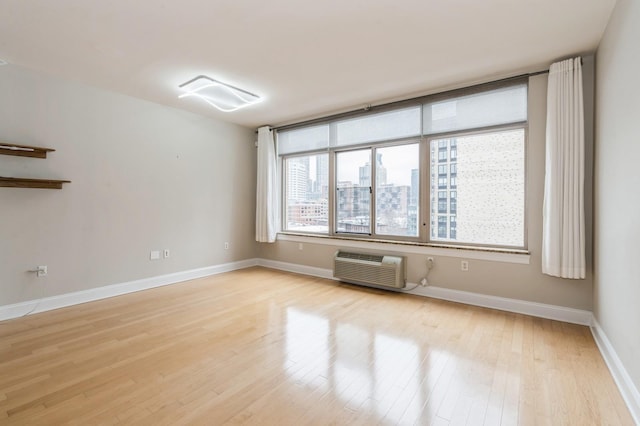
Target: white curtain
[563, 240]
[266, 192]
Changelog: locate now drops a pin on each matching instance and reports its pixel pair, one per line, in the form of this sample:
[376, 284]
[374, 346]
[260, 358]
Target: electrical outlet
[464, 265]
[300, 246]
[42, 271]
[226, 246]
[154, 255]
[166, 253]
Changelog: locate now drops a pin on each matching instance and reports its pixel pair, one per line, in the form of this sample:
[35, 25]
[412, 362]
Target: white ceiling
[307, 58]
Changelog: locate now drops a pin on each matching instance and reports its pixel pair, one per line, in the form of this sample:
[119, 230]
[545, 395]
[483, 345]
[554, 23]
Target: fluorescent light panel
[219, 95]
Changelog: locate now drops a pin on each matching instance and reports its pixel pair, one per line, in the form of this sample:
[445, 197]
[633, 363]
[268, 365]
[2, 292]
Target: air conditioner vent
[359, 256]
[370, 269]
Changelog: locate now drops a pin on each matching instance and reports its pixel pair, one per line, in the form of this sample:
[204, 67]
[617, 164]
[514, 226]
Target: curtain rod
[389, 104]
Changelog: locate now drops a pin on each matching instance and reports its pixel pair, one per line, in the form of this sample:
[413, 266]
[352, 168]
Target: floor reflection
[363, 368]
[307, 345]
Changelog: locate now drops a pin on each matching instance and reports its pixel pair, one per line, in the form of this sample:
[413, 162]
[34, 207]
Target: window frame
[524, 125]
[284, 198]
[373, 200]
[333, 230]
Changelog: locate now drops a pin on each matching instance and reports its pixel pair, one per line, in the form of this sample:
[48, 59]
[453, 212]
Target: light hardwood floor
[259, 346]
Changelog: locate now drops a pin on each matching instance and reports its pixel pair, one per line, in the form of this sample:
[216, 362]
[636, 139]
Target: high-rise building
[413, 208]
[468, 198]
[322, 176]
[353, 203]
[381, 173]
[444, 174]
[298, 179]
[415, 186]
[392, 206]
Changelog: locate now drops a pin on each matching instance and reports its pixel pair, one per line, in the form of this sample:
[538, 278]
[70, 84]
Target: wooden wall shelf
[28, 151]
[10, 182]
[24, 150]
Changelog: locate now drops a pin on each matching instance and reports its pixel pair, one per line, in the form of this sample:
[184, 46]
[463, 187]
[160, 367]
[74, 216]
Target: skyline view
[468, 202]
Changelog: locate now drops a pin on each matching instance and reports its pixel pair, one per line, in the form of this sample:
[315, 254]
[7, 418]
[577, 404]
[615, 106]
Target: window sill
[428, 249]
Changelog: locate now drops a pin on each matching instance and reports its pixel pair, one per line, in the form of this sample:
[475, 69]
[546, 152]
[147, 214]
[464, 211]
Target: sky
[398, 160]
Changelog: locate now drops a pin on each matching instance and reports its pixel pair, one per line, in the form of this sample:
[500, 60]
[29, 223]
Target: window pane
[307, 192]
[397, 179]
[353, 199]
[376, 127]
[486, 193]
[301, 140]
[500, 106]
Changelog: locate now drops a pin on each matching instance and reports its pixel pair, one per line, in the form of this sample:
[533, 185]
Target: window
[353, 204]
[442, 227]
[460, 154]
[391, 125]
[452, 228]
[305, 139]
[503, 105]
[489, 198]
[442, 182]
[442, 201]
[397, 189]
[453, 208]
[307, 194]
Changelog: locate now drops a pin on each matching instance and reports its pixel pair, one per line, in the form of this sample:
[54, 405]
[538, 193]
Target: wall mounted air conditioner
[370, 269]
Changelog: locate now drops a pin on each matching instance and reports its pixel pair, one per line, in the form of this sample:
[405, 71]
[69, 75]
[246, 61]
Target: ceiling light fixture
[219, 95]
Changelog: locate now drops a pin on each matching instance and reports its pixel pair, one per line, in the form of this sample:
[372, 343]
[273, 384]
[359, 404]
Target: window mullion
[332, 189]
[372, 191]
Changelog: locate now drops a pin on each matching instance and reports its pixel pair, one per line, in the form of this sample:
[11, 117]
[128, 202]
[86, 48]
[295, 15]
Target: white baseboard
[294, 267]
[554, 312]
[534, 309]
[68, 299]
[627, 388]
[511, 305]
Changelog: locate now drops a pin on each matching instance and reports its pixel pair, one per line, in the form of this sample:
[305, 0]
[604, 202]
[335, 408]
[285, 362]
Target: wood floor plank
[263, 347]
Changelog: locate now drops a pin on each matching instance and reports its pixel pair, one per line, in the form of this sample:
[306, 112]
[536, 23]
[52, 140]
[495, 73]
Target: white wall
[617, 186]
[144, 177]
[516, 281]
